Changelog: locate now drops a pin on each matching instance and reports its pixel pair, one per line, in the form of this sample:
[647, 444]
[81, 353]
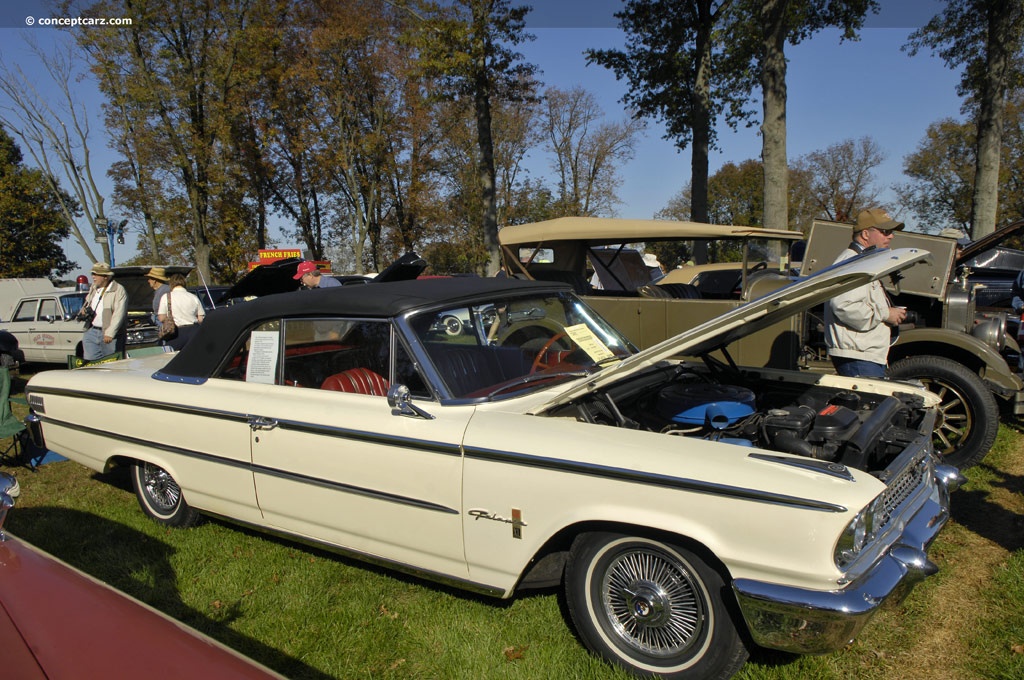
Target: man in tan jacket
[857, 322]
[105, 314]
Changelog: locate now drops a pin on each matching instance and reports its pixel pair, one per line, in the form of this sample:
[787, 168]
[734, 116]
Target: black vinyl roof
[222, 327]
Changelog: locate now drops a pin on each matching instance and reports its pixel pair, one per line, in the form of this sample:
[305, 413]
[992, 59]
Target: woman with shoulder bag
[182, 310]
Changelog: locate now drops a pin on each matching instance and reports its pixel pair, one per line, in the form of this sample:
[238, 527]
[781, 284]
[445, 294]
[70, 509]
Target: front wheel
[968, 418]
[452, 325]
[651, 607]
[160, 496]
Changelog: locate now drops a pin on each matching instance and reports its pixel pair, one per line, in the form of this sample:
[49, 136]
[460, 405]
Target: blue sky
[837, 91]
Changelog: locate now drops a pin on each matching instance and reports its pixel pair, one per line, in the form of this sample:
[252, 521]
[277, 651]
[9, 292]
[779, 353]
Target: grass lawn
[310, 614]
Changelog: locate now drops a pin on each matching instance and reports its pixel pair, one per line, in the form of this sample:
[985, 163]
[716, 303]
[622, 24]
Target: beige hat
[102, 269]
[877, 218]
[157, 273]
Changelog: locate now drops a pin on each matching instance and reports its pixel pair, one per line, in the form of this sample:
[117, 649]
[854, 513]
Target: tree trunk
[985, 203]
[773, 128]
[486, 172]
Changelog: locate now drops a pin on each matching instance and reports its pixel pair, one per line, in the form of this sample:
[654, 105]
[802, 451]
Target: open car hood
[997, 251]
[756, 315]
[133, 279]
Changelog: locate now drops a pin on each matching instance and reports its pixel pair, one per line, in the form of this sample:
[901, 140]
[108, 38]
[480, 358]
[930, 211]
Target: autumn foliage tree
[468, 48]
[984, 38]
[673, 65]
[942, 171]
[32, 221]
[361, 129]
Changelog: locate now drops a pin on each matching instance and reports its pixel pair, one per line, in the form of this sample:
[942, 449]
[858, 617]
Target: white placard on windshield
[588, 342]
[263, 353]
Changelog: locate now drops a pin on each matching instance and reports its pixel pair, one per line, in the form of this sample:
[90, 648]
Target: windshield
[508, 345]
[72, 304]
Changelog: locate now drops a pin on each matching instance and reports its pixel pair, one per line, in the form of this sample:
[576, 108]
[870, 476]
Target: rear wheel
[160, 496]
[968, 415]
[652, 607]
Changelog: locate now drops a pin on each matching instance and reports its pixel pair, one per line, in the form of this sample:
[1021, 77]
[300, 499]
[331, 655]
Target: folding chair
[10, 425]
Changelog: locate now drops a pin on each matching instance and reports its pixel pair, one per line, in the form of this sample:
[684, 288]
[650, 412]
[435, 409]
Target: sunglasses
[884, 232]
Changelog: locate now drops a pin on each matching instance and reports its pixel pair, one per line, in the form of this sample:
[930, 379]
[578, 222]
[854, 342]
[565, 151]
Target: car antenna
[202, 280]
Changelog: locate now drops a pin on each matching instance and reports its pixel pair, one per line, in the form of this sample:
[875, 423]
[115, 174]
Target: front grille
[903, 486]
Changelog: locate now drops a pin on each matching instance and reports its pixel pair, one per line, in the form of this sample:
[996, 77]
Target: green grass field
[311, 614]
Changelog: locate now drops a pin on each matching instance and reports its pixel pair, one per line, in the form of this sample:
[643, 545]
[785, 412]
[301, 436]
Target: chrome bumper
[815, 622]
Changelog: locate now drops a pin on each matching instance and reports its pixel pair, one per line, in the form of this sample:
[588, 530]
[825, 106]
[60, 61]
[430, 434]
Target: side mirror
[400, 399]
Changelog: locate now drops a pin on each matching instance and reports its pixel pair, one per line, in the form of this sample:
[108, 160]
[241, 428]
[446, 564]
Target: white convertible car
[688, 506]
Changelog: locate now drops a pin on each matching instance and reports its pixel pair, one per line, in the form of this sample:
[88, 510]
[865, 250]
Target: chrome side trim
[143, 403]
[437, 577]
[259, 469]
[355, 490]
[638, 477]
[234, 416]
[506, 457]
[823, 466]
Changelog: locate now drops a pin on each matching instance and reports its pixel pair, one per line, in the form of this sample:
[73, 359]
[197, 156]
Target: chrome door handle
[261, 423]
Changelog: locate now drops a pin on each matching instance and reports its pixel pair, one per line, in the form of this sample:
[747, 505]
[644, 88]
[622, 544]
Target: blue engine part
[701, 404]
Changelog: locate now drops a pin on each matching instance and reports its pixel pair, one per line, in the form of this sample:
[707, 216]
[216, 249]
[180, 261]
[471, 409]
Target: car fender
[735, 503]
[961, 347]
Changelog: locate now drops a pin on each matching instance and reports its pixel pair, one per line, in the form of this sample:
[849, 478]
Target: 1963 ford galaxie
[687, 506]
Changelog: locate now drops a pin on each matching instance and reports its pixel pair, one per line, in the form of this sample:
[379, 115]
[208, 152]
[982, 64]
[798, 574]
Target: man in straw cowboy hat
[857, 322]
[105, 314]
[157, 279]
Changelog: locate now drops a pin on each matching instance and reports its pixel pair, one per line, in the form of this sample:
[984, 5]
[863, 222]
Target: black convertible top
[222, 327]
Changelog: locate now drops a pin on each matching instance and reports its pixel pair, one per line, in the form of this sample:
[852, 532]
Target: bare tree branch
[56, 136]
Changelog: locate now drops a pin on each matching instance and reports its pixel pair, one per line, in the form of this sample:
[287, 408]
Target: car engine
[857, 429]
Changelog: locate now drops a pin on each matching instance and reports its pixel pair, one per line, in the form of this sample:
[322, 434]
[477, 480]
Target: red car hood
[57, 622]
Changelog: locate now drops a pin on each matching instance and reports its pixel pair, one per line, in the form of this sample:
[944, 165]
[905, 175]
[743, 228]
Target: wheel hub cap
[648, 604]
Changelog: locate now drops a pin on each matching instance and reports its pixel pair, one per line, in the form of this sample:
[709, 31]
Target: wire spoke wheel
[652, 607]
[160, 496]
[161, 488]
[652, 603]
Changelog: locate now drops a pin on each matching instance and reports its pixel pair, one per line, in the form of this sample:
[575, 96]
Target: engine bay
[855, 428]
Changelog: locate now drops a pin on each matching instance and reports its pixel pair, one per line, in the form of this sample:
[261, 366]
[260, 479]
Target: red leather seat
[358, 381]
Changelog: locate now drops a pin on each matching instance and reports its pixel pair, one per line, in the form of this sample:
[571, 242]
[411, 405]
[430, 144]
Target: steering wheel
[738, 286]
[540, 361]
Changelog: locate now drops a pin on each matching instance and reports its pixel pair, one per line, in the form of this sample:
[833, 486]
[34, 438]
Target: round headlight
[992, 332]
[857, 534]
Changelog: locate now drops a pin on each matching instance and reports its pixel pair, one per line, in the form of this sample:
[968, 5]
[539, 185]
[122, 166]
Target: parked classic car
[565, 249]
[994, 261]
[46, 328]
[687, 506]
[59, 622]
[953, 350]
